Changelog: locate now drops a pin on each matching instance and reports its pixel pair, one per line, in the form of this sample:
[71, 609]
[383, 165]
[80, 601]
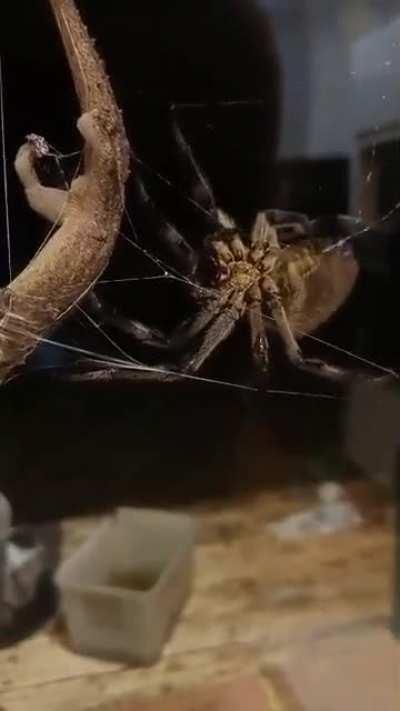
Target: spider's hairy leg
[226, 221]
[336, 226]
[107, 315]
[191, 176]
[152, 223]
[94, 371]
[258, 335]
[292, 349]
[221, 250]
[289, 225]
[219, 331]
[279, 315]
[182, 335]
[88, 371]
[192, 327]
[239, 250]
[263, 237]
[225, 319]
[224, 248]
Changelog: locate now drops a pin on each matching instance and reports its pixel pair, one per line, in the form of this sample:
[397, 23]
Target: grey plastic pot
[122, 591]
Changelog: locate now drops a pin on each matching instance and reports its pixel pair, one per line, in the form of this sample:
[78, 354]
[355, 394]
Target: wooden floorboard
[256, 603]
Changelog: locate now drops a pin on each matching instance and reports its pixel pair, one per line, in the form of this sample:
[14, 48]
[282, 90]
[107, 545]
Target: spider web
[120, 357]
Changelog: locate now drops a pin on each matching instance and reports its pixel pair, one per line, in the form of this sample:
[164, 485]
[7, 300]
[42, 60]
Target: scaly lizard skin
[90, 214]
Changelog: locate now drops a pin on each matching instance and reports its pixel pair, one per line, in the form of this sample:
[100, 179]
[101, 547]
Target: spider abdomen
[314, 283]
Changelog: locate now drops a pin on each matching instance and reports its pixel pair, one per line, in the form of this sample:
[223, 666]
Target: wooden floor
[257, 604]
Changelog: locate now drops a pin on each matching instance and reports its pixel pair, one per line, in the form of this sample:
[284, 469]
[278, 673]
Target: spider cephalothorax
[247, 261]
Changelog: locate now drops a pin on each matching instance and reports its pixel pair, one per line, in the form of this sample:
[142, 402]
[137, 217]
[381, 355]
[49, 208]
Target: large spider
[285, 273]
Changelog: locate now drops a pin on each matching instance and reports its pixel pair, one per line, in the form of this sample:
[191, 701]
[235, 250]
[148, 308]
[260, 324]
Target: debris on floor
[332, 514]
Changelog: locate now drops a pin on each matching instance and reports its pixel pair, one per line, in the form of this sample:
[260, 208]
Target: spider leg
[333, 226]
[192, 327]
[292, 349]
[289, 225]
[219, 331]
[279, 315]
[186, 331]
[93, 371]
[259, 339]
[263, 237]
[98, 371]
[196, 184]
[89, 371]
[107, 315]
[153, 223]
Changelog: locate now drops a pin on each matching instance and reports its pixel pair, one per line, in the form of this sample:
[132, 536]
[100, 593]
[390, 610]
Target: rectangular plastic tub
[122, 591]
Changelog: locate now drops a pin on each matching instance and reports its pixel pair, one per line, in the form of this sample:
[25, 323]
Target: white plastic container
[122, 591]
